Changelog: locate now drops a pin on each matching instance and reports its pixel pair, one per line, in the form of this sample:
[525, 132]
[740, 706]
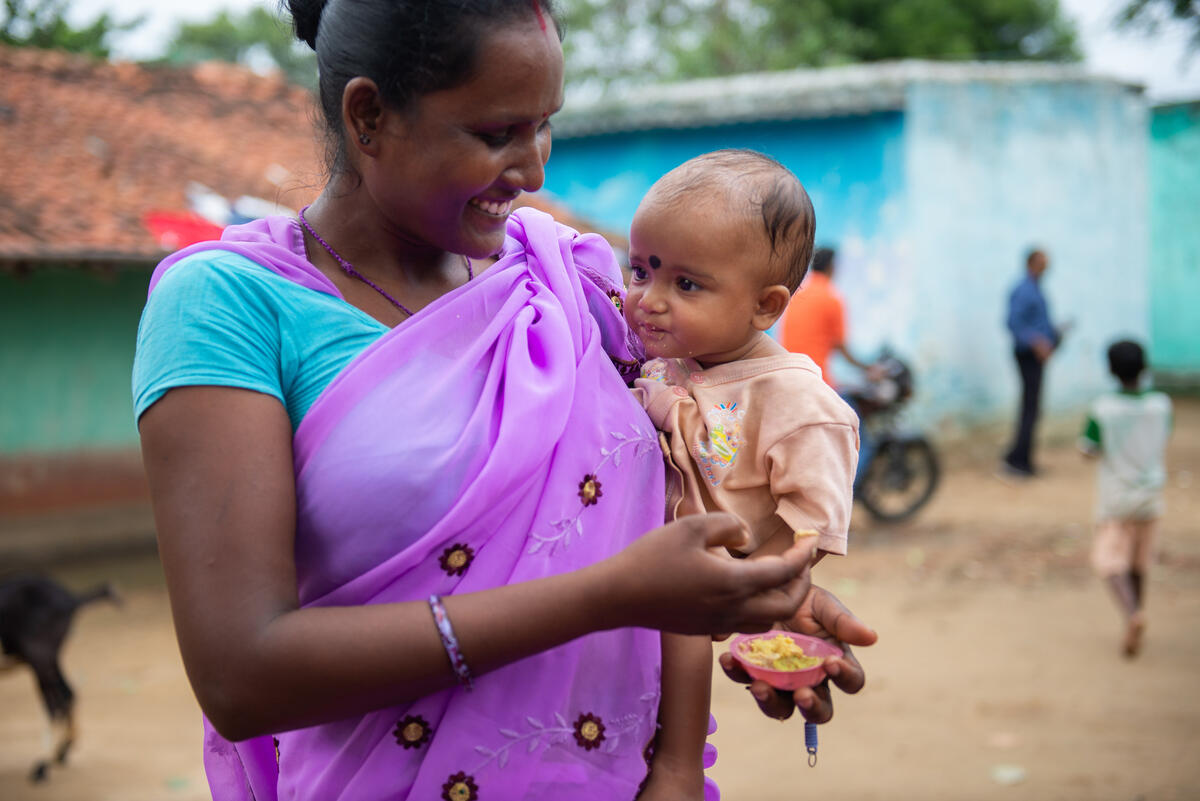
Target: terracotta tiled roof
[90, 148]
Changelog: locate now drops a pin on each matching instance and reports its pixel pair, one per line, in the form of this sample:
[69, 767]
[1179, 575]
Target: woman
[402, 495]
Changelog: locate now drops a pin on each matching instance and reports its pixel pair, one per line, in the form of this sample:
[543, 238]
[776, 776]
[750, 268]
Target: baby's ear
[772, 302]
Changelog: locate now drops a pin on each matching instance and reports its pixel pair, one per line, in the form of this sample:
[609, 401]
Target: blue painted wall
[932, 210]
[852, 167]
[849, 165]
[1175, 239]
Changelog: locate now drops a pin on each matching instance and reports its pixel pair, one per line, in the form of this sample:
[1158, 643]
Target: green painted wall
[66, 352]
[1175, 238]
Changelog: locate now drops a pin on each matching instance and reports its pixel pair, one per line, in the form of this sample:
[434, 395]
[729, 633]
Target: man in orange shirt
[815, 321]
[815, 325]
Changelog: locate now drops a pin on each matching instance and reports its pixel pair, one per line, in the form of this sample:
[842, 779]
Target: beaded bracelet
[450, 643]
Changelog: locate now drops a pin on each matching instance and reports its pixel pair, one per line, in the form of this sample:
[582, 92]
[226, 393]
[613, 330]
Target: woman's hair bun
[306, 18]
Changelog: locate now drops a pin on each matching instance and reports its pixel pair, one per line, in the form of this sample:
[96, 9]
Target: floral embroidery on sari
[589, 731]
[413, 731]
[460, 787]
[456, 559]
[563, 530]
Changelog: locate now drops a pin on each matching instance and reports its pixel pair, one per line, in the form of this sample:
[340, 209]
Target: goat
[35, 616]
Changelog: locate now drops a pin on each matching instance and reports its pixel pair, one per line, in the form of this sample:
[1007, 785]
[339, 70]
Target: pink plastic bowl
[786, 679]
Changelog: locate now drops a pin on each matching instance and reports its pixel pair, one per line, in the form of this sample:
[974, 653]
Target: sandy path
[998, 652]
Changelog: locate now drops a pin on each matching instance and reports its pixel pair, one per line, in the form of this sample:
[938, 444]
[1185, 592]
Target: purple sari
[487, 440]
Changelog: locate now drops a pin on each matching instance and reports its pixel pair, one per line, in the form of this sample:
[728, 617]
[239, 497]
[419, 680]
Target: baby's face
[697, 278]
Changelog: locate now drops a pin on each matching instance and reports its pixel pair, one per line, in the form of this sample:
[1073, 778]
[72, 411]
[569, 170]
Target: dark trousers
[1020, 455]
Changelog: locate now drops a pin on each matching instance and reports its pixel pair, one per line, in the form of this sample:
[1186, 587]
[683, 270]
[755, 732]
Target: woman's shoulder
[220, 273]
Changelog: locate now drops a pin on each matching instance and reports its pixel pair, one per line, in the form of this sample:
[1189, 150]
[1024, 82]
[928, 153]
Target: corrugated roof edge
[794, 94]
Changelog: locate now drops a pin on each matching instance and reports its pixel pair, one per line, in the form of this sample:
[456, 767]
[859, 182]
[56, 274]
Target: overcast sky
[1158, 63]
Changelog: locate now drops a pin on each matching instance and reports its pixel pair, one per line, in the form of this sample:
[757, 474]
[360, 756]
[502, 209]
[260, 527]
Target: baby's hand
[807, 539]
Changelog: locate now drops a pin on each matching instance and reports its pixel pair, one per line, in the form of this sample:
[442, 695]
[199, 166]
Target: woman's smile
[493, 208]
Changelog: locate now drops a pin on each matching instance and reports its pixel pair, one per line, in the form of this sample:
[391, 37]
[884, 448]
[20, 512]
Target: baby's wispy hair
[769, 189]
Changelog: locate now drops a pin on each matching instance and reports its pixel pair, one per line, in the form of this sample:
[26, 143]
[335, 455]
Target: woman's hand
[820, 615]
[679, 578]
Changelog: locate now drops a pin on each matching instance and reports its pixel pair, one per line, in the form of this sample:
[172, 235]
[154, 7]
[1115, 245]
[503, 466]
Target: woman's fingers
[773, 703]
[721, 529]
[816, 703]
[846, 672]
[759, 576]
[732, 669]
[836, 619]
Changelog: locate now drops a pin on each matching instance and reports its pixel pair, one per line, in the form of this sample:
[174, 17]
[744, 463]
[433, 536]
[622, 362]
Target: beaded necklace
[348, 268]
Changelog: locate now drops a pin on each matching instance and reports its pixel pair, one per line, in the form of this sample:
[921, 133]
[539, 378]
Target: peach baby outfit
[765, 439]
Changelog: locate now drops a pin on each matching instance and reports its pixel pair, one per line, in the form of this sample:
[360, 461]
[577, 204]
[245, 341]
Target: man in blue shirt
[1034, 340]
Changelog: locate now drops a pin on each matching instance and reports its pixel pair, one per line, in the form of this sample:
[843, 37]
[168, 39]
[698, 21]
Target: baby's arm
[811, 475]
[677, 771]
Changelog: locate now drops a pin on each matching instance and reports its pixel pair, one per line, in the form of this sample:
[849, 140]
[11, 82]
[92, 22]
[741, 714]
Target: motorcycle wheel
[902, 476]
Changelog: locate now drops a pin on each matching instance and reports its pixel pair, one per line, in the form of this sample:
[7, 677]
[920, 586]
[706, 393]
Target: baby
[717, 248]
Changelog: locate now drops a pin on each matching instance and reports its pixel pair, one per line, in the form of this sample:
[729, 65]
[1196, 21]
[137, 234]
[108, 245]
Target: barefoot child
[717, 247]
[1127, 432]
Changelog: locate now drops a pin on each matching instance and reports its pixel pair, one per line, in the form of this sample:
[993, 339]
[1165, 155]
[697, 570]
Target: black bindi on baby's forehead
[655, 262]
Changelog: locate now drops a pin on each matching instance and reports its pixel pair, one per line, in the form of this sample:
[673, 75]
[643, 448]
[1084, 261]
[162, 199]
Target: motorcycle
[903, 470]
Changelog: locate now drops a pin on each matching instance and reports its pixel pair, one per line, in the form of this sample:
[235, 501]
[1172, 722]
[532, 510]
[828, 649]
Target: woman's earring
[366, 140]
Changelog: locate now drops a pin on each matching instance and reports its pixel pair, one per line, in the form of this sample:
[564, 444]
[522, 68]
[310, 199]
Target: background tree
[256, 38]
[42, 23]
[1150, 15]
[631, 41]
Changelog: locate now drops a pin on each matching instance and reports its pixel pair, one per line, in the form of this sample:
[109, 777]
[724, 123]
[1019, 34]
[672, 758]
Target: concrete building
[932, 179]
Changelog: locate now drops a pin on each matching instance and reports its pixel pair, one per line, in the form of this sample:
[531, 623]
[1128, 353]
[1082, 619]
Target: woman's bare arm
[219, 461]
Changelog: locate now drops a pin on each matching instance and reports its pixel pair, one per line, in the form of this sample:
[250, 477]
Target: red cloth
[815, 322]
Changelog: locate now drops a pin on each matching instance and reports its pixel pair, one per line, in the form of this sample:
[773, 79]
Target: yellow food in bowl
[778, 653]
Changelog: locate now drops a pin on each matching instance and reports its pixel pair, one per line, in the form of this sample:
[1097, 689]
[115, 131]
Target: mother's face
[447, 171]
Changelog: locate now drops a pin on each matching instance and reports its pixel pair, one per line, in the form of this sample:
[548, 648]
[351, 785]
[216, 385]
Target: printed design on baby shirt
[588, 491]
[655, 370]
[716, 457]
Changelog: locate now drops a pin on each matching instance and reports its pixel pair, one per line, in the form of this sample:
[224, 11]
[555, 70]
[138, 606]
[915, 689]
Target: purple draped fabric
[484, 441]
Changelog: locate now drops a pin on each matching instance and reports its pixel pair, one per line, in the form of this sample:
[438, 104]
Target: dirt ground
[996, 676]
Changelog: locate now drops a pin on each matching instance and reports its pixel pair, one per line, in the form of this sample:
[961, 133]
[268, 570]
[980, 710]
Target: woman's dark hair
[409, 48]
[1126, 360]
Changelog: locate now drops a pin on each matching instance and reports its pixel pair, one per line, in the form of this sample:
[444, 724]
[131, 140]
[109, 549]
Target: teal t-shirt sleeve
[211, 321]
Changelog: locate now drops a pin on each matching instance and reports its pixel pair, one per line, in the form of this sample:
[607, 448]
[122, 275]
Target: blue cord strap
[810, 742]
